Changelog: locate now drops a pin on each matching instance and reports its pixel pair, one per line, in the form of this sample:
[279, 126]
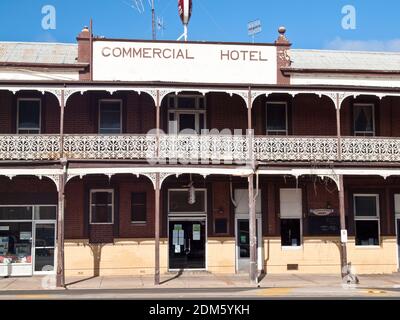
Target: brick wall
[6, 112]
[126, 228]
[312, 115]
[309, 115]
[21, 190]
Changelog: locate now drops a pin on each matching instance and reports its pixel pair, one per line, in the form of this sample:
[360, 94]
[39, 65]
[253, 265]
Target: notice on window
[177, 249]
[181, 236]
[25, 235]
[175, 240]
[196, 232]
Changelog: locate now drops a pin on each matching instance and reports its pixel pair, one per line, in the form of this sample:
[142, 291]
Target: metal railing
[216, 148]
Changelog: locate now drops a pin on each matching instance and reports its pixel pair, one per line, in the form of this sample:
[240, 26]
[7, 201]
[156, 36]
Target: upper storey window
[186, 112]
[28, 118]
[364, 119]
[277, 123]
[110, 121]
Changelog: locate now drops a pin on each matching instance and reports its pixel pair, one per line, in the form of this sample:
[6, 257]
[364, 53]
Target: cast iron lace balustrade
[227, 148]
[109, 146]
[29, 147]
[371, 149]
[284, 148]
[200, 148]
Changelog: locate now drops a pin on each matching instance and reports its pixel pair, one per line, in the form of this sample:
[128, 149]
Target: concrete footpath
[196, 284]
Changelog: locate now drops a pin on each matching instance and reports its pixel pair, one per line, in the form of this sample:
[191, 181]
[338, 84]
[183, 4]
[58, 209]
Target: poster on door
[196, 232]
[178, 236]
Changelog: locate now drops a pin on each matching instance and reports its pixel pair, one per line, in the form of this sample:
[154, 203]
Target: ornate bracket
[163, 176]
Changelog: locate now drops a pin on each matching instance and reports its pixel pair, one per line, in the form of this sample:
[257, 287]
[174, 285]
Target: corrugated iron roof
[36, 52]
[344, 60]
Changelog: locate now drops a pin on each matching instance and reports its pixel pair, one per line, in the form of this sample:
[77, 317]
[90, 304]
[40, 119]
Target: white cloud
[364, 45]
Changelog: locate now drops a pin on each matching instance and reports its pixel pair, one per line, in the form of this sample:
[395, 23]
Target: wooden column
[60, 278]
[157, 199]
[343, 251]
[252, 210]
[343, 248]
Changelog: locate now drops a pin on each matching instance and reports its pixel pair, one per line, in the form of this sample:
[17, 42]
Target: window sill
[139, 223]
[367, 247]
[101, 223]
[291, 248]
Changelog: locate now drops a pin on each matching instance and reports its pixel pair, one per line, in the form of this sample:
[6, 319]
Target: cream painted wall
[322, 255]
[316, 255]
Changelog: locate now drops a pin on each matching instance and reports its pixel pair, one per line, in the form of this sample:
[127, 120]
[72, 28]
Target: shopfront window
[15, 242]
[27, 238]
[366, 216]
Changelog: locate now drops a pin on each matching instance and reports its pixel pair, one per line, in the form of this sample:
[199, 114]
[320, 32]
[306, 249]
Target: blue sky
[310, 23]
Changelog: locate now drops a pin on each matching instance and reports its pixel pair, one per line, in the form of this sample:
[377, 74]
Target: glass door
[398, 241]
[187, 245]
[44, 257]
[243, 243]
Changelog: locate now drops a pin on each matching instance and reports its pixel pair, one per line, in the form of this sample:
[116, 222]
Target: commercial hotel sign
[184, 62]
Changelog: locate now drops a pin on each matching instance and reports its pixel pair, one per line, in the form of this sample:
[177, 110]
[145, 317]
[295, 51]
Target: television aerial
[140, 8]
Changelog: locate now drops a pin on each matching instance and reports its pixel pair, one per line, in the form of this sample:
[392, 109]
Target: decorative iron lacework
[29, 147]
[110, 146]
[200, 148]
[295, 149]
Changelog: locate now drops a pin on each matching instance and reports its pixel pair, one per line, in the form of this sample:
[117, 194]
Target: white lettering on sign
[184, 62]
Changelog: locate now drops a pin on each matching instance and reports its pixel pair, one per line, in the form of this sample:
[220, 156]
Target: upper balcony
[103, 126]
[199, 148]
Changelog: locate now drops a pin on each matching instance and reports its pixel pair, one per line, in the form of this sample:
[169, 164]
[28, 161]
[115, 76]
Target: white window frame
[189, 212]
[367, 218]
[364, 133]
[272, 132]
[40, 115]
[99, 114]
[91, 205]
[196, 110]
[283, 248]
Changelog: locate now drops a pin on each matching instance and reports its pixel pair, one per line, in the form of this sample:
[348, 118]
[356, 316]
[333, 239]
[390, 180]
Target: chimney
[283, 59]
[84, 52]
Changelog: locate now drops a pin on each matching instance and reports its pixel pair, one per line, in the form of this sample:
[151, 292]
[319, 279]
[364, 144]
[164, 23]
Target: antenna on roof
[253, 28]
[139, 7]
[161, 25]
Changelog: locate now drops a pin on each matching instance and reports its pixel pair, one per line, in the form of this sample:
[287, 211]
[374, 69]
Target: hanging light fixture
[192, 192]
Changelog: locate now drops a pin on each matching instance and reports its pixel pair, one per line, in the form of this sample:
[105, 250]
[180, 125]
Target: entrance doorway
[187, 244]
[187, 229]
[398, 240]
[243, 244]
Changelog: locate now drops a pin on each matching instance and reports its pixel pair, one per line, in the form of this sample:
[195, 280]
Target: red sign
[185, 10]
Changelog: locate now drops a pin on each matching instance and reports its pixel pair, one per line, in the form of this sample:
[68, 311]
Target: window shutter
[242, 200]
[291, 203]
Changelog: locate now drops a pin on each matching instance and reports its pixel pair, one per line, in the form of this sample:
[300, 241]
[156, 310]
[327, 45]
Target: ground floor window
[366, 217]
[291, 212]
[27, 239]
[101, 206]
[290, 232]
